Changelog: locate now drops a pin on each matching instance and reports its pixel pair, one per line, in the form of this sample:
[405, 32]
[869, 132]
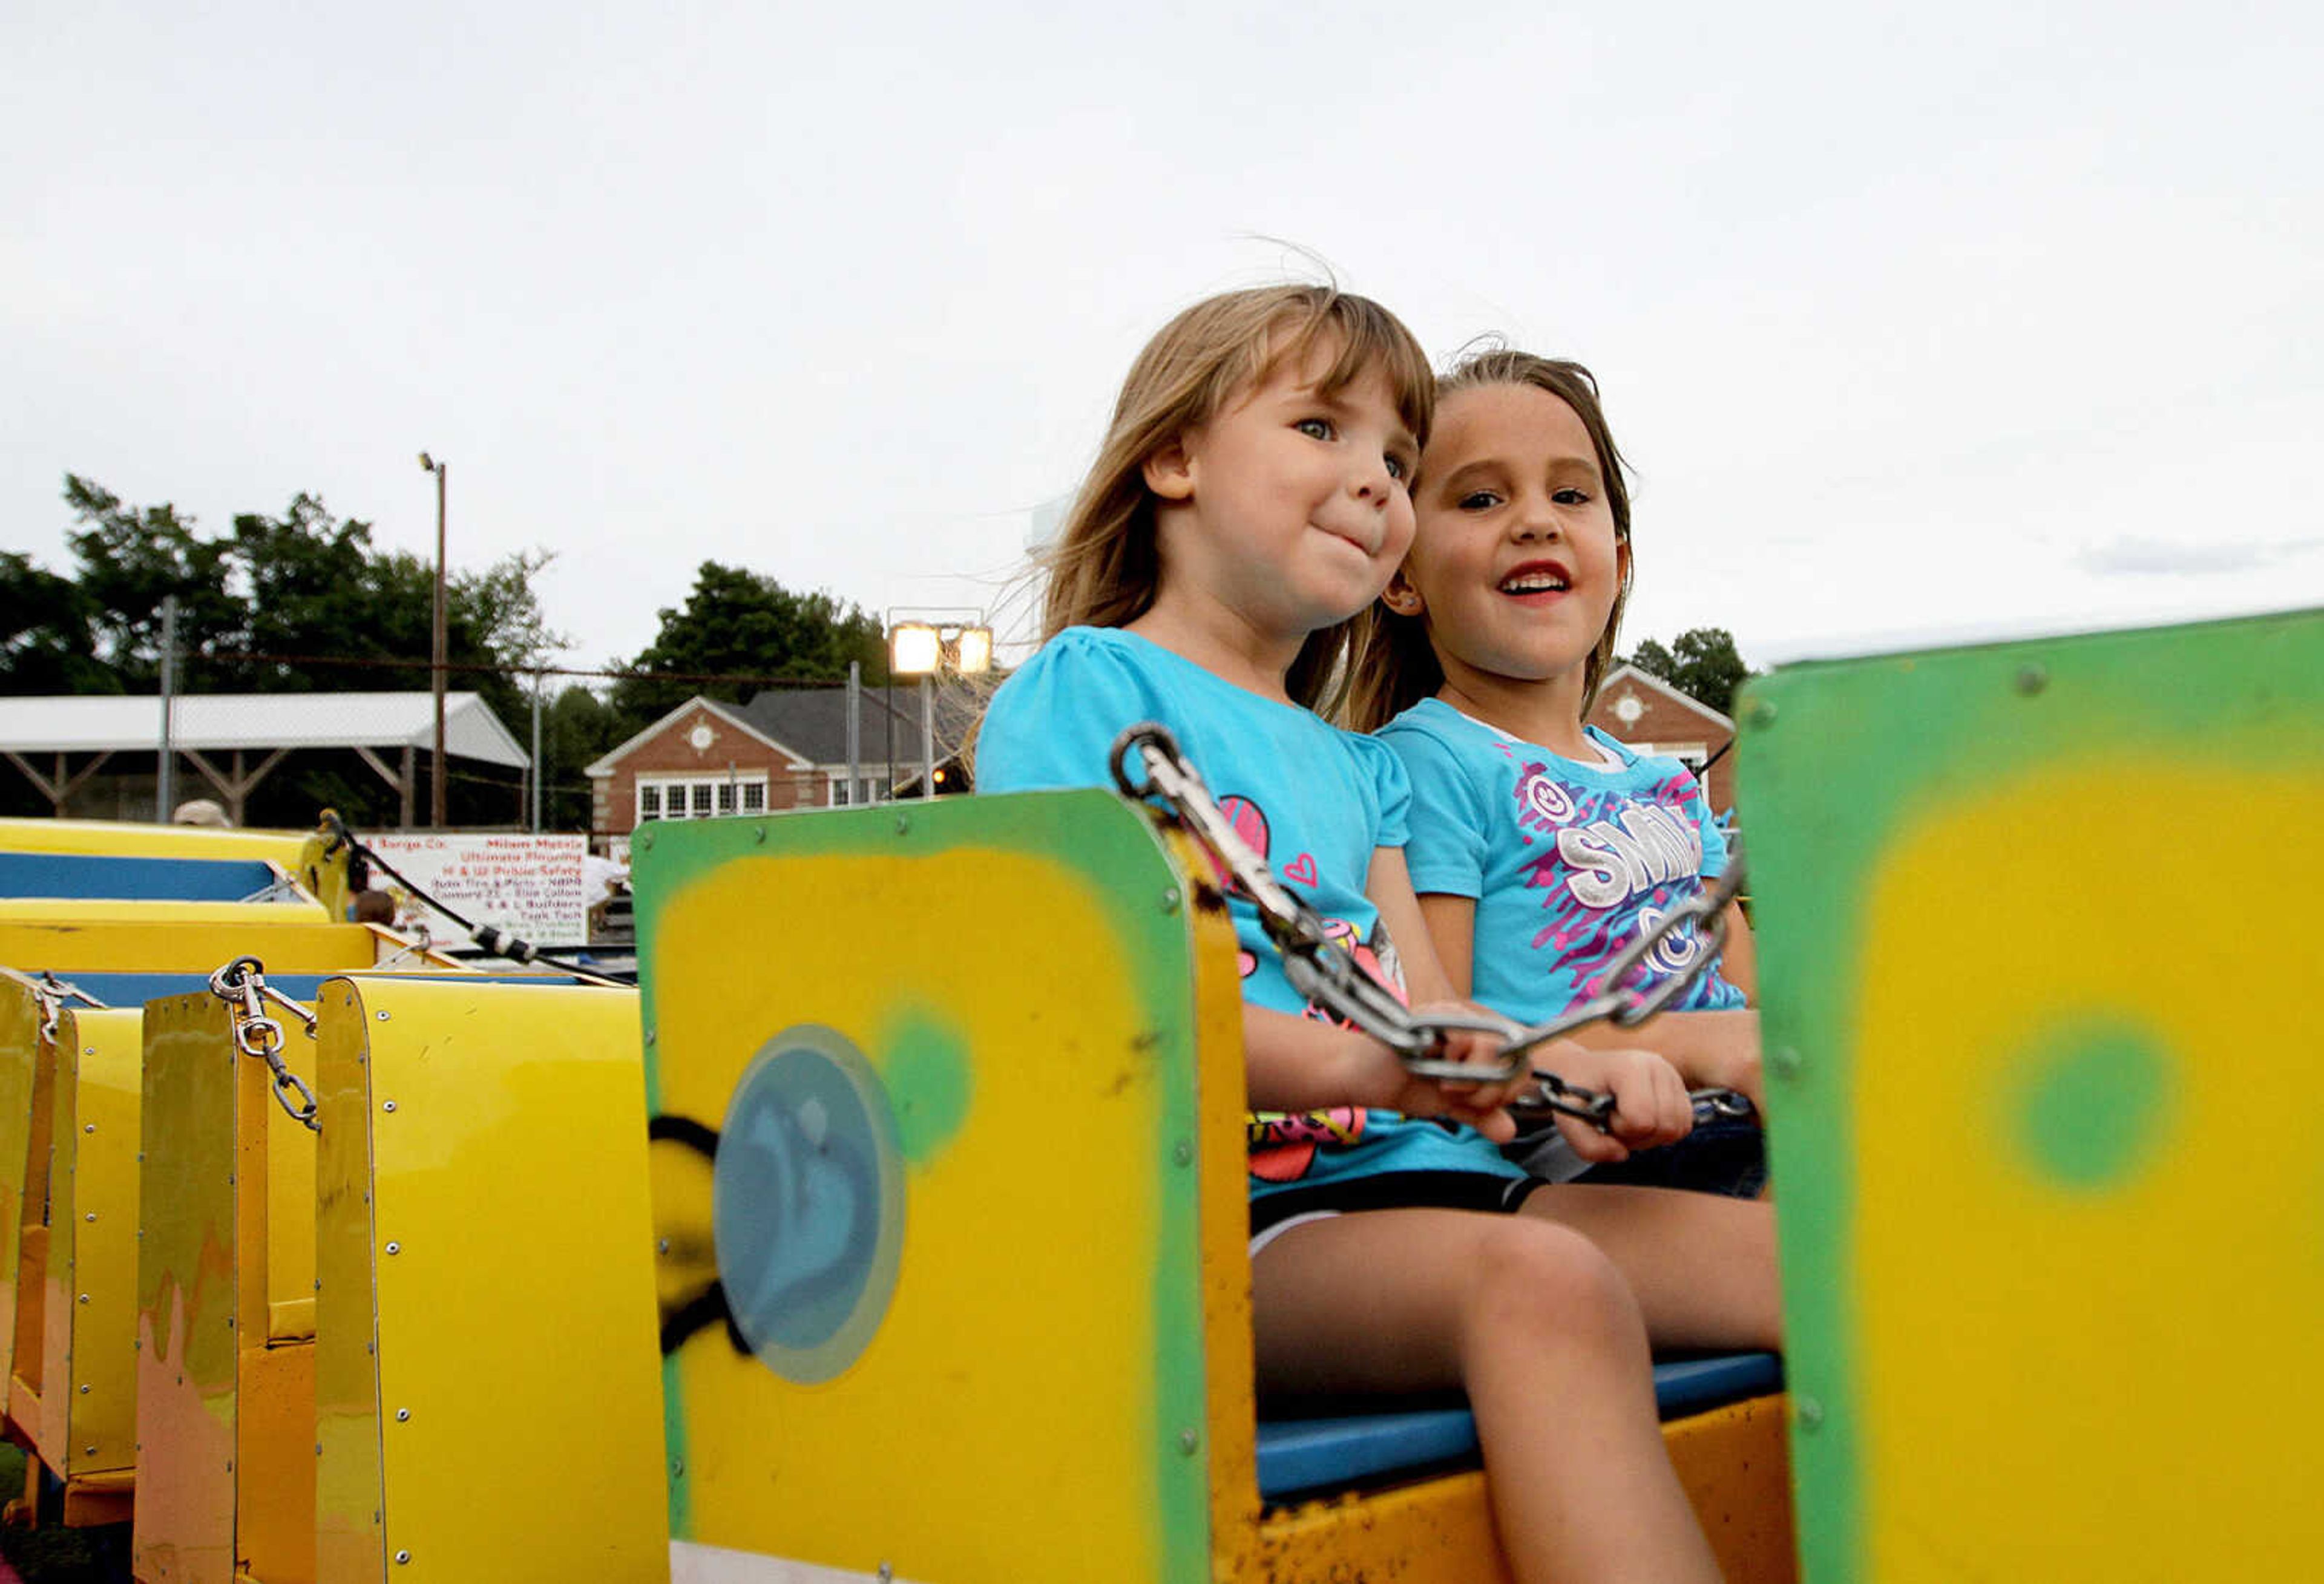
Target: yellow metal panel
[1731, 1460]
[187, 1355]
[98, 938]
[274, 1463]
[225, 1461]
[16, 911]
[274, 1261]
[29, 1321]
[1735, 1462]
[511, 1271]
[1437, 1532]
[350, 1497]
[2119, 1133]
[1026, 1287]
[21, 1018]
[89, 1376]
[121, 839]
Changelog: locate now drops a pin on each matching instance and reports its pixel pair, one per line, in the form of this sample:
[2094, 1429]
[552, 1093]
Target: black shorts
[1475, 1190]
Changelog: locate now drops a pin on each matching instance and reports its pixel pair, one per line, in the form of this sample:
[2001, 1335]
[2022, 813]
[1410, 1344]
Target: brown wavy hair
[1395, 667]
[1105, 567]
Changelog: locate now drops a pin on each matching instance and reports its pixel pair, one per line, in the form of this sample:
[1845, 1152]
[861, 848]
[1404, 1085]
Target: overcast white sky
[1912, 318]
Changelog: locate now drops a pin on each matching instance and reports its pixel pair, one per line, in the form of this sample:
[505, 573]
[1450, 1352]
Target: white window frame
[835, 790]
[693, 795]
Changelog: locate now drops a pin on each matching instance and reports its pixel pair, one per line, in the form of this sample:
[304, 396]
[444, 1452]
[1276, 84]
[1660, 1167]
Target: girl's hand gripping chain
[1458, 1061]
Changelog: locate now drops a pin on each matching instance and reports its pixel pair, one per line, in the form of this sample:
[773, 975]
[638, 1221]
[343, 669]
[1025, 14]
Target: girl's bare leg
[1537, 1324]
[1701, 1266]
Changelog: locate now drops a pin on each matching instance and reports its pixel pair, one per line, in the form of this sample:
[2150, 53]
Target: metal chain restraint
[1328, 974]
[242, 985]
[52, 992]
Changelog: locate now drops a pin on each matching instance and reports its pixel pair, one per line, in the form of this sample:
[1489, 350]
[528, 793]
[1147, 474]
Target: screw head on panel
[387, 1105]
[394, 1248]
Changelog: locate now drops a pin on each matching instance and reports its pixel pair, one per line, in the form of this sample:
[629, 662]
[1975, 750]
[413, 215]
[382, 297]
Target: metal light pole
[435, 816]
[957, 641]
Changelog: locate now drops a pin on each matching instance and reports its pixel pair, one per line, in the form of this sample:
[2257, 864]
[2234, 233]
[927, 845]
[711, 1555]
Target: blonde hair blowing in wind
[1394, 667]
[1105, 566]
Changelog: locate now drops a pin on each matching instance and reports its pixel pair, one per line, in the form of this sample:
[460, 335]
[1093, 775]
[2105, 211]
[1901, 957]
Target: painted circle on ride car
[808, 1204]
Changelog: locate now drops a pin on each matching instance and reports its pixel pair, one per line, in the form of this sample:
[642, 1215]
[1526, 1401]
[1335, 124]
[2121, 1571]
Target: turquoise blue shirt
[1568, 861]
[1314, 801]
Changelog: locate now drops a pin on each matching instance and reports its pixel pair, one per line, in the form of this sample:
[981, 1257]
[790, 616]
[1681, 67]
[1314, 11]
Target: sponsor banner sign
[530, 886]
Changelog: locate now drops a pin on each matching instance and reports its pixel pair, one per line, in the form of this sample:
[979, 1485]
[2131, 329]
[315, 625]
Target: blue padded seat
[93, 877]
[1299, 1456]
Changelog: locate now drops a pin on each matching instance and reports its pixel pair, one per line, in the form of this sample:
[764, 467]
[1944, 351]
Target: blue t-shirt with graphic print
[1568, 861]
[1312, 800]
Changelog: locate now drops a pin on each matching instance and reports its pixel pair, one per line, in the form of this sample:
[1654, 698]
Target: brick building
[1648, 714]
[786, 748]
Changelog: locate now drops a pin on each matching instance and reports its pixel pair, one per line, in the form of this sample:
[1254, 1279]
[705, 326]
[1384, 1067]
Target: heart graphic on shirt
[1301, 870]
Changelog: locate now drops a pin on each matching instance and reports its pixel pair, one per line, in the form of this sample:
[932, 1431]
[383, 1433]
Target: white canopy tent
[218, 733]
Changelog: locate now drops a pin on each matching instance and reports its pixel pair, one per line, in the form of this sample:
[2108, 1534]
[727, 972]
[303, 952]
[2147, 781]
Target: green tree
[306, 587]
[131, 560]
[47, 636]
[1703, 662]
[578, 728]
[738, 623]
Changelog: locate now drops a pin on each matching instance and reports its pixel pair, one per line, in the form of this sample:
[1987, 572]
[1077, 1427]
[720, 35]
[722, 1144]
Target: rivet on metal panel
[1188, 1440]
[887, 1574]
[1808, 1411]
[229, 1179]
[1762, 712]
[758, 835]
[1170, 900]
[89, 1050]
[89, 1126]
[401, 1414]
[403, 1556]
[90, 1449]
[381, 1014]
[646, 840]
[318, 1284]
[395, 1247]
[1182, 1153]
[661, 1245]
[84, 1297]
[2032, 679]
[84, 1392]
[903, 824]
[90, 1216]
[678, 1467]
[649, 1037]
[229, 1322]
[1784, 1061]
[387, 1105]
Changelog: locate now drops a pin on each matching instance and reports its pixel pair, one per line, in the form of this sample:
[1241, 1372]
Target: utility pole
[436, 800]
[165, 781]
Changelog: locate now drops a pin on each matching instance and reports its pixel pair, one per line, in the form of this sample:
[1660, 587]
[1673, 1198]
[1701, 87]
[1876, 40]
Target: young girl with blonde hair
[1248, 505]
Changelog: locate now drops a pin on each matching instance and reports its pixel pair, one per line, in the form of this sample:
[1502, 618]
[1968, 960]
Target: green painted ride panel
[1842, 764]
[1116, 849]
